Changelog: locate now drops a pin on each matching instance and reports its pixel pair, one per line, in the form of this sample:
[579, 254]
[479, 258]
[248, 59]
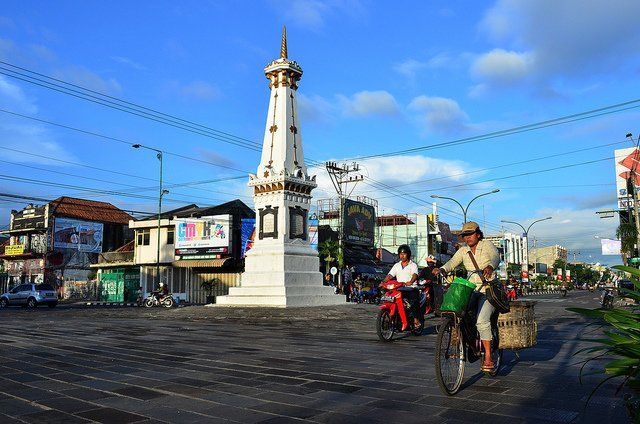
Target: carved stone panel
[268, 222]
[297, 223]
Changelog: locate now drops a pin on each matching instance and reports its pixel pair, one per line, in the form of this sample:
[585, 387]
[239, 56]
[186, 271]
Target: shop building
[57, 243]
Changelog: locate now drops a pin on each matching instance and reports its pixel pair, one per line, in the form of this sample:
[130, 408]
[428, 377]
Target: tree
[329, 250]
[628, 235]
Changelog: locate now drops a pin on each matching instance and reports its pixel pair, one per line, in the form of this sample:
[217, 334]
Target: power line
[513, 176]
[119, 140]
[606, 110]
[504, 165]
[19, 197]
[87, 189]
[83, 93]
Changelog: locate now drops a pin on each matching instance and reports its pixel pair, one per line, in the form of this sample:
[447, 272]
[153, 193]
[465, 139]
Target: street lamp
[464, 210]
[162, 192]
[525, 265]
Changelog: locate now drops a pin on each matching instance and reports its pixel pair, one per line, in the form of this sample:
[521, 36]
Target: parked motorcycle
[395, 314]
[157, 300]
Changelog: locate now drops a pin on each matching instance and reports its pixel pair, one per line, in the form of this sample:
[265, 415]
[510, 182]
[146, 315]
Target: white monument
[281, 269]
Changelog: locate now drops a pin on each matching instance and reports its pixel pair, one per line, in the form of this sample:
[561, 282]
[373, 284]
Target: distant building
[548, 255]
[511, 247]
[190, 252]
[57, 242]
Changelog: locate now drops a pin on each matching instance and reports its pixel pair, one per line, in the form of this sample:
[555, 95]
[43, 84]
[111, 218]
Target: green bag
[458, 295]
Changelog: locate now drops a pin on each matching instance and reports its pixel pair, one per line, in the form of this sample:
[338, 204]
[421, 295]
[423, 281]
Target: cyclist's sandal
[485, 368]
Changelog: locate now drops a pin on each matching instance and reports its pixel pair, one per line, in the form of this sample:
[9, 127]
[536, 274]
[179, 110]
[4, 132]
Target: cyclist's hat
[469, 228]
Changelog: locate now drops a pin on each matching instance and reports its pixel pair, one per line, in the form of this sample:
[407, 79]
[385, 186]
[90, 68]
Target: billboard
[248, 234]
[611, 247]
[73, 234]
[627, 163]
[209, 234]
[358, 223]
[313, 231]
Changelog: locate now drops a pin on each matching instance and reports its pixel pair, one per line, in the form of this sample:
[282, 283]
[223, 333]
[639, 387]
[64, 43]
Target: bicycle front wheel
[449, 357]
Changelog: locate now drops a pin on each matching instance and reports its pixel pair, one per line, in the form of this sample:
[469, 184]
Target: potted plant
[209, 286]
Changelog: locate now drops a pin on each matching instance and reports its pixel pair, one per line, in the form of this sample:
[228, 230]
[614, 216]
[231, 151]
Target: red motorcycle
[511, 292]
[395, 314]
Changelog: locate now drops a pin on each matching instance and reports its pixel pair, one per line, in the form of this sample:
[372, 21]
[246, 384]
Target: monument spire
[282, 269]
[283, 45]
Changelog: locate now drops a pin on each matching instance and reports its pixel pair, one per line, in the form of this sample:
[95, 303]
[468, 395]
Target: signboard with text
[15, 249]
[358, 223]
[627, 162]
[206, 235]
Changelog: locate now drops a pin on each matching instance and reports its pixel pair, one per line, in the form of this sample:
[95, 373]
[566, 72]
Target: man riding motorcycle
[488, 259]
[406, 271]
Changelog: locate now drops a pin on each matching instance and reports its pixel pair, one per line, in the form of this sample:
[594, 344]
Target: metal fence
[195, 294]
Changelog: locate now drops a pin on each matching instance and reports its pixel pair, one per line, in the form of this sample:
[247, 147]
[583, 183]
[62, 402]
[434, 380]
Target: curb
[117, 304]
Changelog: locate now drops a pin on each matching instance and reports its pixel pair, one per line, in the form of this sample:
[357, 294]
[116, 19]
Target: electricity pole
[341, 179]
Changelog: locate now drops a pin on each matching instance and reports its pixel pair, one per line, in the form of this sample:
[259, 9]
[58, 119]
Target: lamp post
[525, 265]
[161, 192]
[464, 210]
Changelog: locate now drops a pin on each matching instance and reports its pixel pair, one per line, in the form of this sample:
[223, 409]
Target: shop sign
[15, 249]
[358, 222]
[206, 235]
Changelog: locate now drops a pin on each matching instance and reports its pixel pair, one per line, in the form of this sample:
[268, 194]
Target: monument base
[277, 276]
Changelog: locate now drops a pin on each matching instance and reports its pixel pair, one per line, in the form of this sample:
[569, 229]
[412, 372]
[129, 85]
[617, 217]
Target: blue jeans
[484, 311]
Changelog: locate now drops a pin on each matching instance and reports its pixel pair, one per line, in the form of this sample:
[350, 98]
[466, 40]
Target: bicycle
[458, 341]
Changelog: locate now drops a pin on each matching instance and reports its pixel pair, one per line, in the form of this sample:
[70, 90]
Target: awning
[112, 265]
[200, 263]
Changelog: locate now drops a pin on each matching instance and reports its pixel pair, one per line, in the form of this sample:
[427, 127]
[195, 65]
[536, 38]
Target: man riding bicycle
[488, 259]
[406, 271]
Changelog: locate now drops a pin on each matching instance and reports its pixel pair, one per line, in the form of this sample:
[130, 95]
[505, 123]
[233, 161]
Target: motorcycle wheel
[168, 302]
[385, 327]
[148, 303]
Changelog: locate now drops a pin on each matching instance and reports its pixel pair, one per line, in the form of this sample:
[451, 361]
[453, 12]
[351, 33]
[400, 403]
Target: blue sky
[378, 78]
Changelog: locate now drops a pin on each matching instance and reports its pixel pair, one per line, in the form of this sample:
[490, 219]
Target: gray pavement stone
[227, 361]
[111, 416]
[52, 417]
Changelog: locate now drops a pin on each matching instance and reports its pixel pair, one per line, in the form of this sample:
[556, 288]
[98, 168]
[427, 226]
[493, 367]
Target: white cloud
[198, 90]
[369, 103]
[13, 98]
[549, 40]
[404, 179]
[129, 62]
[312, 14]
[502, 67]
[314, 108]
[573, 229]
[32, 139]
[439, 114]
[85, 78]
[410, 67]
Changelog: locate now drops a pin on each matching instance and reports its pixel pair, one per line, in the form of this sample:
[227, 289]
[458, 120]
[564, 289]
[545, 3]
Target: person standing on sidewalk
[347, 282]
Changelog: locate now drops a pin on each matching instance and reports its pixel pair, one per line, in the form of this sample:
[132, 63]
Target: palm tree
[329, 250]
[627, 234]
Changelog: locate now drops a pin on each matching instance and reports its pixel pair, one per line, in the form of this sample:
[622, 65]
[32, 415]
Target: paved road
[210, 365]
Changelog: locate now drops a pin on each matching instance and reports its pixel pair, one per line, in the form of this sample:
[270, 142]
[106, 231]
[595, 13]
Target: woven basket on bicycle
[518, 328]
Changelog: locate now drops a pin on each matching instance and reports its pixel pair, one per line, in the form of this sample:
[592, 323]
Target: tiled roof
[126, 248]
[88, 210]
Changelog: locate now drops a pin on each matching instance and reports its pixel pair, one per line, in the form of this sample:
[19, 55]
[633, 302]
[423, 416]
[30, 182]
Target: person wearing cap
[488, 259]
[406, 271]
[426, 274]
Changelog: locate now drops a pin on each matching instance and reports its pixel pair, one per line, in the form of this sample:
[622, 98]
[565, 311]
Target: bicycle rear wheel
[449, 357]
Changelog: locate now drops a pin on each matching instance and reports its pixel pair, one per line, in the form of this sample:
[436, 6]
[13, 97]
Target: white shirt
[404, 274]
